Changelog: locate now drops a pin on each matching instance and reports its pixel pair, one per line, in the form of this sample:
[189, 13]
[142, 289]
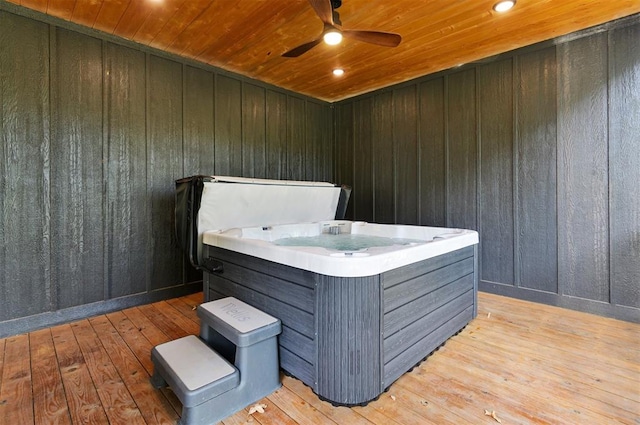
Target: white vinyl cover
[229, 202]
[253, 202]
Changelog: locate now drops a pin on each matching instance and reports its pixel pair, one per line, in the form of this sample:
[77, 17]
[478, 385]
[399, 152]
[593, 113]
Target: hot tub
[360, 303]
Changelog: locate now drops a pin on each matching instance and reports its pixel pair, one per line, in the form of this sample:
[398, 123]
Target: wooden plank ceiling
[248, 37]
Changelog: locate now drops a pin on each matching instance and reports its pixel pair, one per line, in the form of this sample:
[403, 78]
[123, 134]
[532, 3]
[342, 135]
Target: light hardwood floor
[528, 363]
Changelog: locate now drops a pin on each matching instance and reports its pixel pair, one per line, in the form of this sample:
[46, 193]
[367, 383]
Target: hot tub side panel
[349, 338]
[425, 303]
[284, 292]
[348, 314]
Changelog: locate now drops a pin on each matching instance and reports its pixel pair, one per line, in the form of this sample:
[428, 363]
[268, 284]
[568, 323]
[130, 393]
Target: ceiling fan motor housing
[326, 11]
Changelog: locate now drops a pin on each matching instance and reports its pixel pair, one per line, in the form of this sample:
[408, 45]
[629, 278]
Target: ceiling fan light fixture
[332, 37]
[503, 6]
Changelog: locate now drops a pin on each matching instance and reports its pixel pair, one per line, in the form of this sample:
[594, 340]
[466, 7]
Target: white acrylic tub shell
[258, 242]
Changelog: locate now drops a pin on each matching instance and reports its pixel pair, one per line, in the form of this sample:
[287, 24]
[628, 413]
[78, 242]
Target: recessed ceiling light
[332, 37]
[338, 72]
[503, 6]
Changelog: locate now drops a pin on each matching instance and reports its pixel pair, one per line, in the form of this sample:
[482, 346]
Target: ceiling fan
[326, 10]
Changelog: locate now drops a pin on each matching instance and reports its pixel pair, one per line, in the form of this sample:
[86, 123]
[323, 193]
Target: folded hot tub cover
[189, 192]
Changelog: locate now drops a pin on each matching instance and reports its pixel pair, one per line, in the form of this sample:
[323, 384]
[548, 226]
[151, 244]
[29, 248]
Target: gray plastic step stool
[209, 387]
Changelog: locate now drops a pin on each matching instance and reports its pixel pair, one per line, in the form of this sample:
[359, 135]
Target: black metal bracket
[212, 265]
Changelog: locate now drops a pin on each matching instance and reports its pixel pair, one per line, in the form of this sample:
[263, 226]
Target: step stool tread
[195, 363]
[237, 314]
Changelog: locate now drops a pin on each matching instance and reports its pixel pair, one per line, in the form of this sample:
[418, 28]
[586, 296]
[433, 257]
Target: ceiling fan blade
[323, 10]
[303, 48]
[375, 37]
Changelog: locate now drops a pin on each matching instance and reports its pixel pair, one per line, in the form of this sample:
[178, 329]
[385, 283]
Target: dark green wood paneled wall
[535, 175]
[25, 169]
[495, 187]
[538, 150]
[624, 165]
[76, 200]
[431, 153]
[94, 134]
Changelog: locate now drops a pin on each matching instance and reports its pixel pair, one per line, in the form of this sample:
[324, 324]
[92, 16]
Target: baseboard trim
[52, 318]
[620, 312]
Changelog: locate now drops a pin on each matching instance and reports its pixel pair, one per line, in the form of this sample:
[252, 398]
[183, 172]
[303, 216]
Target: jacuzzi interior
[360, 303]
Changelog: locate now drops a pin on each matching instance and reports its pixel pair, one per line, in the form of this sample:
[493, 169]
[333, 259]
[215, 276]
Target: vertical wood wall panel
[77, 166]
[126, 206]
[276, 133]
[462, 150]
[253, 131]
[165, 165]
[536, 182]
[198, 129]
[344, 148]
[405, 142]
[25, 287]
[296, 142]
[319, 136]
[432, 153]
[583, 241]
[624, 167]
[228, 128]
[383, 160]
[198, 122]
[495, 85]
[362, 180]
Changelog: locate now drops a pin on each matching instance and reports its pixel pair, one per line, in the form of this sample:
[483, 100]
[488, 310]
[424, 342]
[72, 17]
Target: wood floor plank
[450, 387]
[340, 415]
[240, 418]
[620, 356]
[568, 341]
[82, 396]
[162, 322]
[374, 416]
[152, 336]
[297, 409]
[155, 408]
[16, 402]
[49, 401]
[195, 298]
[496, 332]
[273, 415]
[543, 399]
[113, 393]
[234, 420]
[562, 389]
[530, 363]
[146, 327]
[2, 344]
[389, 406]
[133, 337]
[580, 328]
[423, 405]
[623, 382]
[186, 324]
[554, 315]
[188, 309]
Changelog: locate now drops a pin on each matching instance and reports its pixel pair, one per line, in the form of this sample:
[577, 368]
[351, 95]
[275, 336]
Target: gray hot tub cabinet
[350, 338]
